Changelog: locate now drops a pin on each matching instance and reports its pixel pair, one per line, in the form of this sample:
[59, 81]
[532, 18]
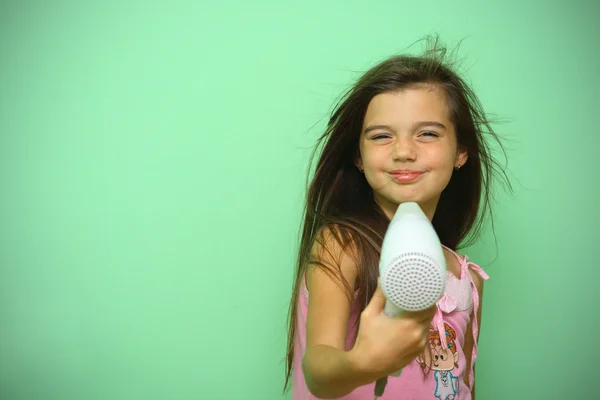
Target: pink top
[444, 379]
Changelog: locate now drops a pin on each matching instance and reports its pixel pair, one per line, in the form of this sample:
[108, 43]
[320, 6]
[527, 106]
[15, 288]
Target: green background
[152, 162]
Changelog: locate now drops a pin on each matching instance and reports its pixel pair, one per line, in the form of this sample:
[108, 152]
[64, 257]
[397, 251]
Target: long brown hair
[340, 200]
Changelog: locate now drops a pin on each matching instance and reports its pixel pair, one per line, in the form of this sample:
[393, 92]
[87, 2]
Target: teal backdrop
[152, 163]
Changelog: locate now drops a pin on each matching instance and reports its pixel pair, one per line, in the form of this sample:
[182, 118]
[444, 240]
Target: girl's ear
[358, 163]
[462, 156]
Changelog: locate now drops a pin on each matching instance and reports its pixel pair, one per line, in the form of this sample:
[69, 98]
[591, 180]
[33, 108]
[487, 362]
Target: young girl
[409, 130]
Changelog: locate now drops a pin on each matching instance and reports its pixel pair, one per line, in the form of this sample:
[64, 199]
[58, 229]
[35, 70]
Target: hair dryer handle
[391, 310]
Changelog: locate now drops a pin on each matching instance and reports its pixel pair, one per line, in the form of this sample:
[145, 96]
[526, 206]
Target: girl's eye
[429, 134]
[376, 137]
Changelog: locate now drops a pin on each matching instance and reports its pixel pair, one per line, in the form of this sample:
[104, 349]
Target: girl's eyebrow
[430, 123]
[375, 127]
[415, 126]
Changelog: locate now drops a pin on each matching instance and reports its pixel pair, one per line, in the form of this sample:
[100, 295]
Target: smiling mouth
[406, 176]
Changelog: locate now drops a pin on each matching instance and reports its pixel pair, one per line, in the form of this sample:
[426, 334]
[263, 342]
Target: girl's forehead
[423, 99]
[407, 106]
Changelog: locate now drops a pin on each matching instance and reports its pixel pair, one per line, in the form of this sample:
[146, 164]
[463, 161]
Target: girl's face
[408, 148]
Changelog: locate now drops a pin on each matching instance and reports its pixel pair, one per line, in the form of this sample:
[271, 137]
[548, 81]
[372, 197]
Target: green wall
[152, 159]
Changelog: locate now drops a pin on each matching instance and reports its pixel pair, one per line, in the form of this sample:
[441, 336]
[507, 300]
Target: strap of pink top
[446, 304]
[485, 276]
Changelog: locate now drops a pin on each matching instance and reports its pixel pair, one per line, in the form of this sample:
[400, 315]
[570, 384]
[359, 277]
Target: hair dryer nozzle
[410, 208]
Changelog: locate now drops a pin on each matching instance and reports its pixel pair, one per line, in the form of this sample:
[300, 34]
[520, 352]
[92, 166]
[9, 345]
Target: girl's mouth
[405, 176]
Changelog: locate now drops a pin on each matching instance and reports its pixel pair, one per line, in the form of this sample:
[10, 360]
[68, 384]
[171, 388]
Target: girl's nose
[404, 149]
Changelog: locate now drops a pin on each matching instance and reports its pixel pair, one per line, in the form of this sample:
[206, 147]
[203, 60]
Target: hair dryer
[412, 267]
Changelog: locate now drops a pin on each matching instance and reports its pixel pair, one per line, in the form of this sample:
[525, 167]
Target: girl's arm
[329, 370]
[383, 344]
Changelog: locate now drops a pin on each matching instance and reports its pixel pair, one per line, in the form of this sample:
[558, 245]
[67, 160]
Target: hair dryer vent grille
[413, 281]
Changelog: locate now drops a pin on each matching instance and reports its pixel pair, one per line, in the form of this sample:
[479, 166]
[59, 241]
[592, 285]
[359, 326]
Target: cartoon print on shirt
[442, 361]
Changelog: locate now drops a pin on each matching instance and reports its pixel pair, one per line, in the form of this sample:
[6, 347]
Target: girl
[409, 130]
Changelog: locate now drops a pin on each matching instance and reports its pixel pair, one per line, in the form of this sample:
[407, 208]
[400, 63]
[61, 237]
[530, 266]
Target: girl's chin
[392, 202]
[404, 198]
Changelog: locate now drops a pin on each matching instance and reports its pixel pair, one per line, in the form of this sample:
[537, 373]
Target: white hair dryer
[412, 267]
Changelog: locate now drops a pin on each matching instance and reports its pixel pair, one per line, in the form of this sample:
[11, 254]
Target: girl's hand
[385, 345]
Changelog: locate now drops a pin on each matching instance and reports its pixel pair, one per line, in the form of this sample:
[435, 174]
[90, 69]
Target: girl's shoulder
[332, 257]
[334, 241]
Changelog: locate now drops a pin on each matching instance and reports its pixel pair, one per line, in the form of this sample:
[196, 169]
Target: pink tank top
[446, 367]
